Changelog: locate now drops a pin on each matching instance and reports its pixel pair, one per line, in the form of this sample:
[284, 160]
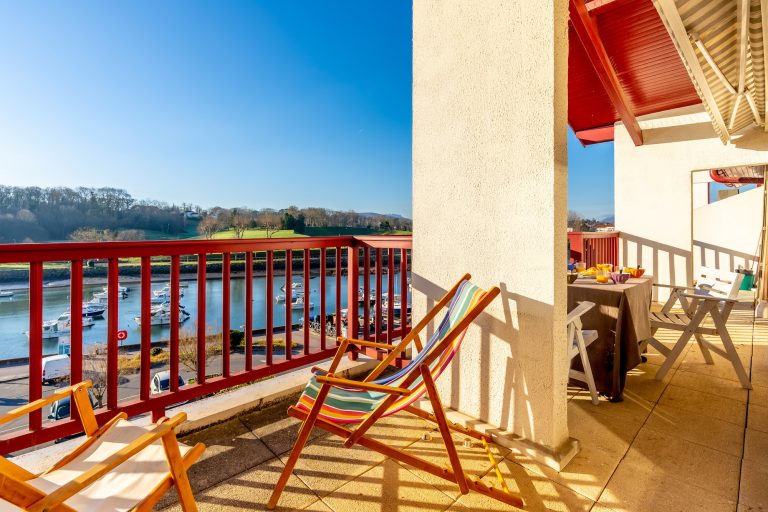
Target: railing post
[112, 327]
[202, 345]
[35, 341]
[175, 266]
[353, 284]
[249, 305]
[146, 326]
[76, 323]
[225, 268]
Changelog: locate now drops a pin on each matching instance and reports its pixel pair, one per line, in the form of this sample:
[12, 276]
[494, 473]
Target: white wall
[653, 187]
[726, 233]
[490, 198]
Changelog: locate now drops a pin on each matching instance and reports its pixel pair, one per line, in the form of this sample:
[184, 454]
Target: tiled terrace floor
[695, 441]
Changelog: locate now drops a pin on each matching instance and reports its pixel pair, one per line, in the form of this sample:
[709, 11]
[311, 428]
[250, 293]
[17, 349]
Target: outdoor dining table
[621, 317]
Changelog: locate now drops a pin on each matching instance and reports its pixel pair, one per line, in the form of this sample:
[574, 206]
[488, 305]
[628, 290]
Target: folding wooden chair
[578, 341]
[714, 295]
[332, 403]
[120, 466]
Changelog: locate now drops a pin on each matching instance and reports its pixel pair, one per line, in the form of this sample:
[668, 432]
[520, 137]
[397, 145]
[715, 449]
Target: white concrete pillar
[490, 198]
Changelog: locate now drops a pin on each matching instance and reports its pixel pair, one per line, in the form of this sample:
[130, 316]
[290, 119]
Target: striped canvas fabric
[346, 405]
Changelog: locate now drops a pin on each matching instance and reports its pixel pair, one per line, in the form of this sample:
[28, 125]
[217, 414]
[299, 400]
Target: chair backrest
[465, 304]
[457, 309]
[719, 283]
[574, 325]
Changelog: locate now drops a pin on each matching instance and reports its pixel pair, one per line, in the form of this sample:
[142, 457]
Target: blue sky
[242, 103]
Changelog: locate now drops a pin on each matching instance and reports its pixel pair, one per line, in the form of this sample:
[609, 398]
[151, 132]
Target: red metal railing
[594, 247]
[345, 252]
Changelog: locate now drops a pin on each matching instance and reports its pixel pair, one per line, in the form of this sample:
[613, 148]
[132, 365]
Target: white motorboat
[104, 296]
[165, 292]
[280, 299]
[120, 289]
[64, 320]
[298, 303]
[295, 285]
[182, 284]
[4, 294]
[61, 326]
[161, 315]
[93, 309]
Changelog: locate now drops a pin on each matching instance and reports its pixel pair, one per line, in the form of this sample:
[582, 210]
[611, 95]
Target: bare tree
[130, 235]
[240, 222]
[270, 221]
[188, 347]
[208, 226]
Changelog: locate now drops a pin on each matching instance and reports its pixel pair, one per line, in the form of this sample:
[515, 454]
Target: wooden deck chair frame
[696, 307]
[351, 437]
[576, 335]
[15, 489]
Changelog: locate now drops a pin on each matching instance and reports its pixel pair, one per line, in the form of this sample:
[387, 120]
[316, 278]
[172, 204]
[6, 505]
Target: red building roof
[622, 63]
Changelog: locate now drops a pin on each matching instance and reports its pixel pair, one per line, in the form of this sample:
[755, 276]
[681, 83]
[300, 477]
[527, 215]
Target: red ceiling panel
[646, 62]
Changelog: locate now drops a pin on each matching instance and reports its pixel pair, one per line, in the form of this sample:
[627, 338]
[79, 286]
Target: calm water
[14, 314]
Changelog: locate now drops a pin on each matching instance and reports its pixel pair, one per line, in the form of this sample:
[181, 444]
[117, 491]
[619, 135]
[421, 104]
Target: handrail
[379, 257]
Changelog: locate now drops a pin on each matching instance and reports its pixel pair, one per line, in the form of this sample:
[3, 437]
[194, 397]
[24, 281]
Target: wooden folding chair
[714, 295]
[120, 466]
[333, 403]
[578, 341]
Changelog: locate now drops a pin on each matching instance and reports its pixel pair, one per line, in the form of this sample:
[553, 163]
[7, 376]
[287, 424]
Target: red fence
[380, 255]
[593, 247]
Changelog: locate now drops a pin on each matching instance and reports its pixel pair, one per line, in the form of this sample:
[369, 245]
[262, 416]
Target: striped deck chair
[336, 404]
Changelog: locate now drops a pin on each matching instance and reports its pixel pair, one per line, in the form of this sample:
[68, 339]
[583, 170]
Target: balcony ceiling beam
[598, 57]
[676, 27]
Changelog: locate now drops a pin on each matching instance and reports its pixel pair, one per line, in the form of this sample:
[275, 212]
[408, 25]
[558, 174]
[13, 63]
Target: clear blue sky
[237, 103]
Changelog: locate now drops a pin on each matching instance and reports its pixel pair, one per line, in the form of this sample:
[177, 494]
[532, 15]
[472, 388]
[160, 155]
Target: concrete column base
[554, 457]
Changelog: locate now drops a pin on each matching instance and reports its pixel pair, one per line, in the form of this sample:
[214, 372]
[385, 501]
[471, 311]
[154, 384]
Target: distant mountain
[374, 214]
[608, 219]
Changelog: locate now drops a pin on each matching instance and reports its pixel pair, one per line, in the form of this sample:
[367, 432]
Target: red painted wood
[174, 337]
[154, 404]
[323, 312]
[249, 310]
[270, 304]
[390, 294]
[76, 320]
[338, 291]
[601, 63]
[645, 61]
[112, 328]
[146, 326]
[353, 283]
[202, 262]
[35, 341]
[288, 300]
[306, 301]
[225, 269]
[377, 308]
[367, 293]
[403, 291]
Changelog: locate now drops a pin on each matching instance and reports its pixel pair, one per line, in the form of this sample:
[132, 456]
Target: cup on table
[602, 275]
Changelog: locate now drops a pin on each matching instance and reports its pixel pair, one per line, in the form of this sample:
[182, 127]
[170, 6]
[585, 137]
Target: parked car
[55, 368]
[162, 382]
[60, 408]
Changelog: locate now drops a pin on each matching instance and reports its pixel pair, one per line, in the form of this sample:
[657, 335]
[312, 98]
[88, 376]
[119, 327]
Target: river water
[14, 313]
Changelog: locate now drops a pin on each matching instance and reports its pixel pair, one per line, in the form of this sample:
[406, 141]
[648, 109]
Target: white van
[55, 368]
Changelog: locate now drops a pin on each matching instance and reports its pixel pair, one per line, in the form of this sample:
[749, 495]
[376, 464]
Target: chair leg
[704, 349]
[442, 424]
[733, 356]
[588, 372]
[301, 440]
[179, 472]
[696, 320]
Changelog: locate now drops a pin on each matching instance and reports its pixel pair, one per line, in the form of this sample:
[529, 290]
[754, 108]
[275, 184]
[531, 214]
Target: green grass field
[256, 233]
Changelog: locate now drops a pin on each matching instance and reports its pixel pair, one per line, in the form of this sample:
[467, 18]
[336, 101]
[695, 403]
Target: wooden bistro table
[621, 317]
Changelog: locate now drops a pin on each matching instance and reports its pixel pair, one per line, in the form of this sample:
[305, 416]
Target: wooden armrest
[579, 311]
[85, 479]
[40, 403]
[337, 381]
[364, 343]
[707, 297]
[673, 286]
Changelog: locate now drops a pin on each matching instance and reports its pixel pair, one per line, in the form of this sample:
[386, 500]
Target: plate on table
[609, 282]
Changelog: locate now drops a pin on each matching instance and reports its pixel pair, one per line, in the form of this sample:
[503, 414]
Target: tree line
[35, 214]
[293, 218]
